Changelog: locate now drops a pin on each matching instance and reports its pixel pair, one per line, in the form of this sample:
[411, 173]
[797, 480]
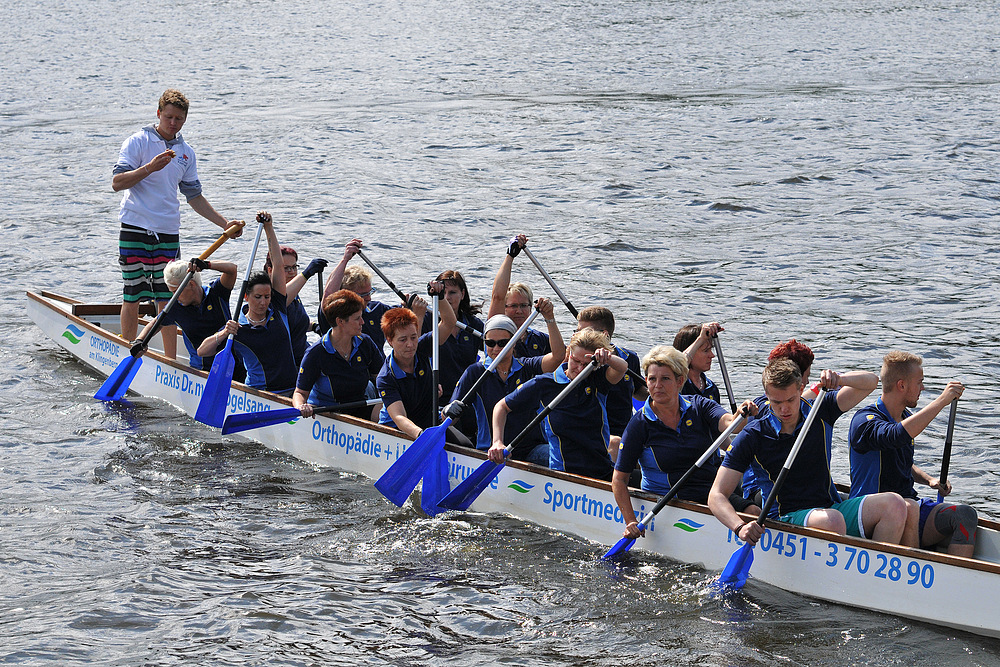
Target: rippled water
[791, 169]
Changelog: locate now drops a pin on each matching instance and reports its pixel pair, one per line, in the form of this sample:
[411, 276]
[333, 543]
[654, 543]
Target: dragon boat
[910, 583]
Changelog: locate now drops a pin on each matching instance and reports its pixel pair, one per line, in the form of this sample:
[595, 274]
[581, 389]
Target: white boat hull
[930, 587]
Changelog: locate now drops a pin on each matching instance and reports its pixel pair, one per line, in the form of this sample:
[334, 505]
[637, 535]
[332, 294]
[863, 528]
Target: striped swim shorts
[142, 255]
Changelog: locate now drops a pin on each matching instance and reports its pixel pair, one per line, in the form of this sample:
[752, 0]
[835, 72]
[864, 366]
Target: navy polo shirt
[620, 395]
[413, 389]
[372, 323]
[664, 454]
[477, 417]
[809, 483]
[198, 322]
[266, 350]
[881, 453]
[298, 325]
[577, 429]
[330, 379]
[711, 390]
[533, 344]
[458, 352]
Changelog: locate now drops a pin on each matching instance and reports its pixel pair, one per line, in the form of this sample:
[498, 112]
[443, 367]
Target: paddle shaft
[946, 457]
[329, 409]
[455, 411]
[158, 322]
[636, 377]
[675, 488]
[725, 374]
[385, 279]
[551, 406]
[246, 276]
[771, 497]
[552, 283]
[435, 358]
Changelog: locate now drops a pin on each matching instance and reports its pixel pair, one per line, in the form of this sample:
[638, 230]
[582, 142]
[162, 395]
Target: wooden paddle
[398, 482]
[118, 382]
[735, 574]
[215, 397]
[463, 495]
[946, 457]
[625, 543]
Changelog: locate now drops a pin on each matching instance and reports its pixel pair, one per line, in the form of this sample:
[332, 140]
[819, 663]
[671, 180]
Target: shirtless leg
[827, 519]
[884, 517]
[911, 534]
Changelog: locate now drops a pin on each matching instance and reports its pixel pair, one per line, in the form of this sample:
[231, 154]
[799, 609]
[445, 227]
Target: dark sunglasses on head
[494, 343]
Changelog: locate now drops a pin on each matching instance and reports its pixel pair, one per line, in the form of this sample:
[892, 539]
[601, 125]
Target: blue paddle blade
[637, 405]
[215, 398]
[248, 420]
[463, 495]
[398, 482]
[118, 382]
[738, 568]
[620, 548]
[435, 485]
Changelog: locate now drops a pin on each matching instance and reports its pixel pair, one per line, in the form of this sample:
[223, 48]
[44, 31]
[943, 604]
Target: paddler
[882, 448]
[515, 301]
[808, 496]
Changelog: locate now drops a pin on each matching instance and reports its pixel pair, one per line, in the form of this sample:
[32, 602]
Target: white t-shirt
[152, 203]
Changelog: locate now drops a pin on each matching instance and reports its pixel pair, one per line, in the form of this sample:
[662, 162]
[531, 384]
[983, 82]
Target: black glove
[454, 409]
[435, 287]
[515, 248]
[199, 264]
[314, 267]
[137, 347]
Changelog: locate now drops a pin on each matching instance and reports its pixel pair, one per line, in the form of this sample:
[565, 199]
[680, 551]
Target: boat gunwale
[45, 298]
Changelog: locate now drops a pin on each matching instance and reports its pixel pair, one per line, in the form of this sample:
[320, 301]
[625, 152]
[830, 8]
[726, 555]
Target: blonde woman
[577, 429]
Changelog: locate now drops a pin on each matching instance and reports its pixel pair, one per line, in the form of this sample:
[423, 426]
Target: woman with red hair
[405, 382]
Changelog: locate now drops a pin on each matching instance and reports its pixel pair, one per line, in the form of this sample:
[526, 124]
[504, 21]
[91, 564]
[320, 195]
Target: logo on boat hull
[689, 526]
[520, 486]
[73, 334]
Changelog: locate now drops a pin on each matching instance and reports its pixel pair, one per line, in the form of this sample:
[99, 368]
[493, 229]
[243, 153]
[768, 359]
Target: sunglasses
[496, 343]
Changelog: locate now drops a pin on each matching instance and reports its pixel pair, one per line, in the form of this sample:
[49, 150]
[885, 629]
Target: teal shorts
[850, 508]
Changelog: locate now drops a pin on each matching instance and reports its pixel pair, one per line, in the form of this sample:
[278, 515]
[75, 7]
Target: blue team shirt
[458, 352]
[577, 429]
[266, 350]
[330, 379]
[711, 390]
[809, 483]
[477, 417]
[664, 454]
[881, 453]
[620, 395]
[533, 344]
[198, 322]
[413, 389]
[298, 325]
[372, 323]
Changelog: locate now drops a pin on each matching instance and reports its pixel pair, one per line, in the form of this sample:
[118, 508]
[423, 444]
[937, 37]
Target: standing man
[808, 497]
[152, 165]
[881, 441]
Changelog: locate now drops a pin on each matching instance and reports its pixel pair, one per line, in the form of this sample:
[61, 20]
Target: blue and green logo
[689, 526]
[520, 486]
[73, 334]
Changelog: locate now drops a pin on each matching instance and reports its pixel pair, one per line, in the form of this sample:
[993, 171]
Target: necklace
[254, 322]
